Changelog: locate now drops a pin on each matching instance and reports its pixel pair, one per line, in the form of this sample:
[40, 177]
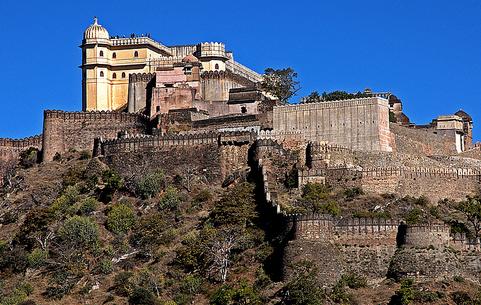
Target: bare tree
[220, 251]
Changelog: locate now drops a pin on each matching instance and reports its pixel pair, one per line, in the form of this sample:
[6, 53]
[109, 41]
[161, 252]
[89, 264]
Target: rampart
[359, 124]
[216, 84]
[434, 183]
[138, 92]
[10, 149]
[63, 131]
[209, 156]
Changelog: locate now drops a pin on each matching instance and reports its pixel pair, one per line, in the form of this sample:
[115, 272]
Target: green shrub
[80, 233]
[462, 298]
[331, 207]
[405, 294]
[142, 296]
[354, 281]
[123, 284]
[413, 216]
[28, 157]
[243, 294]
[85, 154]
[202, 196]
[150, 232]
[65, 204]
[106, 266]
[112, 182]
[170, 200]
[150, 185]
[353, 192]
[36, 258]
[88, 206]
[120, 218]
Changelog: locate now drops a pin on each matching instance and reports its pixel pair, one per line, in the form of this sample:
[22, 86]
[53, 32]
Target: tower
[95, 69]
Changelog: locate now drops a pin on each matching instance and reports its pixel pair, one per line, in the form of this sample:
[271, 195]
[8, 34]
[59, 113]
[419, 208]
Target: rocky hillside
[73, 231]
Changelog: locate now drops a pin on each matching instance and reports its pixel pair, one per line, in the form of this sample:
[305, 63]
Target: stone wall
[139, 90]
[377, 248]
[434, 183]
[359, 124]
[216, 84]
[425, 141]
[210, 156]
[63, 131]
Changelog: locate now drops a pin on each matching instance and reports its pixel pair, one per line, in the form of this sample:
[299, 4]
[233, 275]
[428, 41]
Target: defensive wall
[140, 87]
[10, 149]
[63, 131]
[359, 124]
[216, 84]
[377, 248]
[434, 183]
[210, 156]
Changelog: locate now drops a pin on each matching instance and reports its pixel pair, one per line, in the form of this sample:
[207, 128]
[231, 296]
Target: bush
[112, 182]
[413, 216]
[303, 289]
[80, 233]
[354, 281]
[405, 294]
[462, 298]
[150, 185]
[120, 218]
[243, 294]
[28, 157]
[150, 232]
[142, 296]
[36, 258]
[106, 266]
[202, 196]
[123, 284]
[353, 192]
[170, 200]
[88, 206]
[65, 204]
[85, 154]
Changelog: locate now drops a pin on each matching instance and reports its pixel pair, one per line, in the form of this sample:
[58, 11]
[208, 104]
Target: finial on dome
[96, 20]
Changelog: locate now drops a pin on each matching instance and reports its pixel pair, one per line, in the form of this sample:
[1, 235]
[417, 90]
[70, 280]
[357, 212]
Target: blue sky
[427, 52]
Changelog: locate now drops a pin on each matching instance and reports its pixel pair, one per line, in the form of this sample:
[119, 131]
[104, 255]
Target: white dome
[96, 31]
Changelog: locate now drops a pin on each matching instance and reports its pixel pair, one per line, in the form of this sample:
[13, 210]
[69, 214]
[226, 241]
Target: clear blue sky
[428, 53]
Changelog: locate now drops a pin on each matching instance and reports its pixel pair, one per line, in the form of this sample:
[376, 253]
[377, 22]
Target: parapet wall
[431, 235]
[10, 149]
[434, 183]
[359, 124]
[63, 131]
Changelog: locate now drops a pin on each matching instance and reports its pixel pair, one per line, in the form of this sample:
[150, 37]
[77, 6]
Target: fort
[192, 108]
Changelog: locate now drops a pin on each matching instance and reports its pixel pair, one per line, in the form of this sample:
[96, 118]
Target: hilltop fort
[193, 108]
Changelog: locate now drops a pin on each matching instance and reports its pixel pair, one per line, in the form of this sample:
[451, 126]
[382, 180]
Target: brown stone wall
[63, 131]
[10, 150]
[216, 84]
[358, 124]
[210, 155]
[425, 141]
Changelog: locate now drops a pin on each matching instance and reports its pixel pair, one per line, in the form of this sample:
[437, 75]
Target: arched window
[217, 66]
[101, 73]
[123, 74]
[136, 54]
[101, 53]
[114, 76]
[114, 55]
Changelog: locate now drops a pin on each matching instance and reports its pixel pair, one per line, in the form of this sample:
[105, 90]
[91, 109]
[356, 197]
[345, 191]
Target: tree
[120, 218]
[314, 97]
[471, 208]
[341, 95]
[281, 83]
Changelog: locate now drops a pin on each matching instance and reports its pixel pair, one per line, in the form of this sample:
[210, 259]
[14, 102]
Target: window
[114, 55]
[243, 109]
[101, 73]
[136, 54]
[123, 74]
[157, 109]
[114, 76]
[101, 53]
[217, 66]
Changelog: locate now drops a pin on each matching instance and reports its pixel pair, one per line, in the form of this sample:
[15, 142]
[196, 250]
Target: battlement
[139, 143]
[427, 235]
[134, 41]
[212, 49]
[33, 141]
[141, 77]
[334, 104]
[94, 115]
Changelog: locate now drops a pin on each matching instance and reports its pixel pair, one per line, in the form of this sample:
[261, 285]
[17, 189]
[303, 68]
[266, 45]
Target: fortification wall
[208, 156]
[422, 141]
[359, 124]
[425, 236]
[216, 84]
[10, 149]
[138, 91]
[434, 183]
[63, 131]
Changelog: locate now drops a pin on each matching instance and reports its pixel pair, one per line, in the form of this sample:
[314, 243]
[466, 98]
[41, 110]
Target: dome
[466, 117]
[96, 31]
[190, 59]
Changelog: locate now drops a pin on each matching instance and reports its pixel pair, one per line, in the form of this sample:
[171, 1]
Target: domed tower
[95, 68]
[467, 127]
